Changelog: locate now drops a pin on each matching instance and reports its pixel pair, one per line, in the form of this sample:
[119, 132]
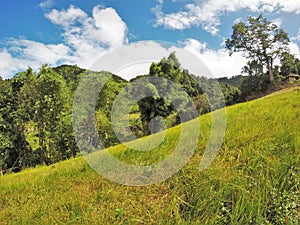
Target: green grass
[255, 178]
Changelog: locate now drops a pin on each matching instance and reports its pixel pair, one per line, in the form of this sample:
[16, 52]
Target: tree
[14, 150]
[50, 105]
[156, 106]
[172, 59]
[253, 68]
[260, 41]
[289, 64]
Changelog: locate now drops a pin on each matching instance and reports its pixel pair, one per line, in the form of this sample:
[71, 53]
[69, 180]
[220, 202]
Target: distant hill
[255, 179]
[235, 80]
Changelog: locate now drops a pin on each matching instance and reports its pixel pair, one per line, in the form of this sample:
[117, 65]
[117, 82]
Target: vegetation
[261, 41]
[36, 109]
[35, 124]
[255, 179]
[35, 115]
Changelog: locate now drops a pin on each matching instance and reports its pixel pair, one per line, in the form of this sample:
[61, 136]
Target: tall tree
[260, 41]
[50, 104]
[156, 105]
[14, 150]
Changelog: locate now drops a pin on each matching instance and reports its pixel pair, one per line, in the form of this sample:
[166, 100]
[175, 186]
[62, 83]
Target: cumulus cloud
[104, 28]
[111, 27]
[90, 36]
[218, 61]
[33, 50]
[67, 18]
[85, 38]
[207, 13]
[20, 54]
[135, 59]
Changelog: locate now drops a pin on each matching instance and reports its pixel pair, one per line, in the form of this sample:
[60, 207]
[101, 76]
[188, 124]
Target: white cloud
[66, 18]
[7, 62]
[90, 36]
[294, 49]
[36, 51]
[131, 71]
[135, 59]
[207, 13]
[20, 54]
[290, 6]
[46, 4]
[277, 22]
[86, 38]
[297, 38]
[218, 61]
[104, 28]
[111, 27]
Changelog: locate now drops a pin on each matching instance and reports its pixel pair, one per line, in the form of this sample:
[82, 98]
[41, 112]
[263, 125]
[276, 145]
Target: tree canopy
[261, 41]
[36, 107]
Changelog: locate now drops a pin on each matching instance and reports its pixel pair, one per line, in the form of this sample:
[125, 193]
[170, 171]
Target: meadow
[255, 178]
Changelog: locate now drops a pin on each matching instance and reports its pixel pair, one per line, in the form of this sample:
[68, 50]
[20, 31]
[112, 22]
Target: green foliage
[14, 151]
[261, 41]
[234, 80]
[36, 115]
[71, 74]
[156, 106]
[201, 103]
[251, 85]
[231, 93]
[51, 104]
[289, 64]
[253, 180]
[105, 129]
[108, 93]
[253, 68]
[36, 108]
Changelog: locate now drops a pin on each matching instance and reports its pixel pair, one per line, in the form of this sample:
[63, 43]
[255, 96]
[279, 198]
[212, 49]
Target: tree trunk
[271, 75]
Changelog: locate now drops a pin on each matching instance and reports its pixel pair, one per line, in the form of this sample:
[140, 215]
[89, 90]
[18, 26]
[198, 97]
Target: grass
[255, 178]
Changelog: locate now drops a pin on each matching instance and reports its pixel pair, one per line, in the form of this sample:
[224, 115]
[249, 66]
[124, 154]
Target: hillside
[255, 179]
[36, 108]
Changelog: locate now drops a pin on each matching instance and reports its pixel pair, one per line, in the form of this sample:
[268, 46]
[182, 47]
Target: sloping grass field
[255, 178]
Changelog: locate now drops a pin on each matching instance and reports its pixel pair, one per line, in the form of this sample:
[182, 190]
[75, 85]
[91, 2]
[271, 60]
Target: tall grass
[255, 179]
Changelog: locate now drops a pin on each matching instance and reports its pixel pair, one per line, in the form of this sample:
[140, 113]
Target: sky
[55, 32]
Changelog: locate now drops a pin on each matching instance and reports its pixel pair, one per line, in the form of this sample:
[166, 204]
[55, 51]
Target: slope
[255, 179]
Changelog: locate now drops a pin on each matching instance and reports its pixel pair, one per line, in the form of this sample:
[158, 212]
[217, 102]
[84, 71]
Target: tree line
[36, 107]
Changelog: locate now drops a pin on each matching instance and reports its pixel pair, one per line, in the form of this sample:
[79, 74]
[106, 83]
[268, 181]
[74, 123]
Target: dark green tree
[14, 150]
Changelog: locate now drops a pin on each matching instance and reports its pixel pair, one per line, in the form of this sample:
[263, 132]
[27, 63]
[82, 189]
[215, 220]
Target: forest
[36, 106]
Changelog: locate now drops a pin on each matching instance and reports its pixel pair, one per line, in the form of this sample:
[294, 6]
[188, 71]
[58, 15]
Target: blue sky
[34, 32]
